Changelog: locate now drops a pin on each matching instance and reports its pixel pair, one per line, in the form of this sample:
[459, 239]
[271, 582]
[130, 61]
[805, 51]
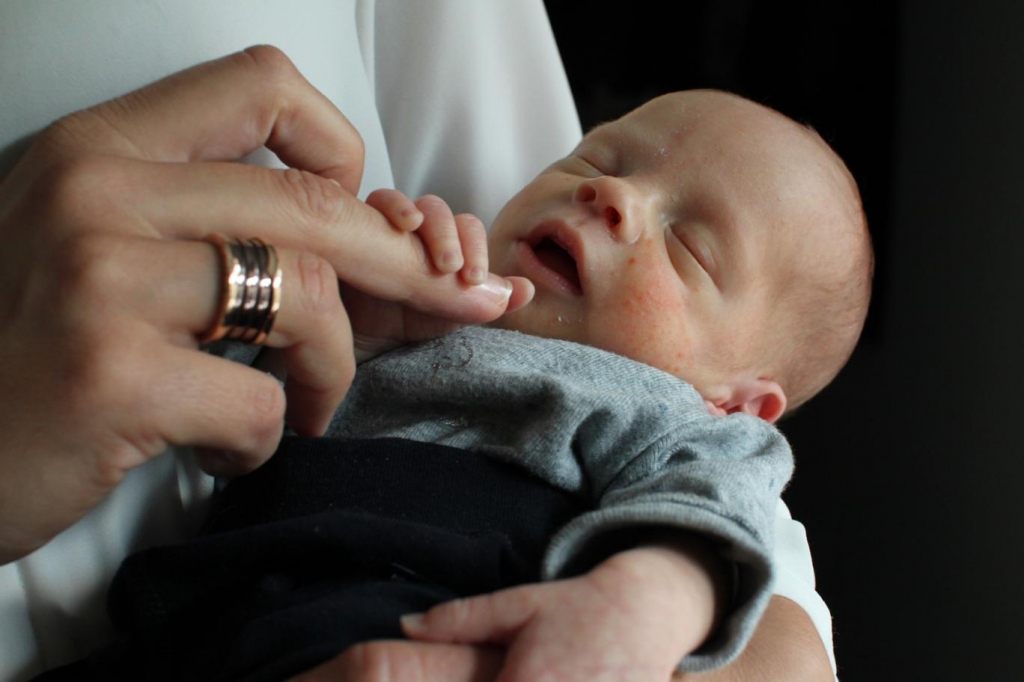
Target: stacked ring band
[251, 294]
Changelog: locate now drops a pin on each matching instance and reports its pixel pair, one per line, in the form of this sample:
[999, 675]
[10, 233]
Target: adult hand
[632, 617]
[785, 648]
[106, 284]
[397, 661]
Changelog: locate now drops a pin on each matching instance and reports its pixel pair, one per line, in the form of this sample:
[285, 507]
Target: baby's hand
[455, 243]
[456, 246]
[632, 618]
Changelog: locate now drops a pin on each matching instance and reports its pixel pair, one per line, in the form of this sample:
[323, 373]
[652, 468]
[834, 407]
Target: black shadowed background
[908, 466]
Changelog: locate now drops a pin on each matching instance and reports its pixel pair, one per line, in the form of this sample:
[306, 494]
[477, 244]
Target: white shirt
[462, 98]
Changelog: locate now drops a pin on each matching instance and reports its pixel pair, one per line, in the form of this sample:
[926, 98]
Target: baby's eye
[687, 253]
[702, 254]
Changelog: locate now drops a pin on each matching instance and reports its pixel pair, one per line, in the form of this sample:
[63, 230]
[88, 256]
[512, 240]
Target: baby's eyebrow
[598, 126]
[607, 133]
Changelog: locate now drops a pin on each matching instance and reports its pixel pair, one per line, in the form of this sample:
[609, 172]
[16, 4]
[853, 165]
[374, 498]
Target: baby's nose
[611, 198]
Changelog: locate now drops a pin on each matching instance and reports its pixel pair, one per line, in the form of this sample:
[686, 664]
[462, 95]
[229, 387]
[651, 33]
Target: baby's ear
[762, 398]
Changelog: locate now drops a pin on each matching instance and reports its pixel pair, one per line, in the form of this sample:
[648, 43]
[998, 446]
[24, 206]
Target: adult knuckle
[100, 127]
[76, 191]
[84, 276]
[114, 462]
[67, 133]
[317, 198]
[266, 406]
[318, 283]
[271, 61]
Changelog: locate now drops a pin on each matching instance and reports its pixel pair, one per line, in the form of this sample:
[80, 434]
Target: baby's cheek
[653, 325]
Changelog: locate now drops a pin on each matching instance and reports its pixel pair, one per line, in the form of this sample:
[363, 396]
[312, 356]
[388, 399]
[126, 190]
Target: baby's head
[702, 234]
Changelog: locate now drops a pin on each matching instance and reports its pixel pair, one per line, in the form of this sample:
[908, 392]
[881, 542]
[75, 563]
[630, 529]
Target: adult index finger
[223, 110]
[300, 210]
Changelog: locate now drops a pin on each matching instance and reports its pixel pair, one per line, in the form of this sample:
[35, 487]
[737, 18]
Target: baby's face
[666, 235]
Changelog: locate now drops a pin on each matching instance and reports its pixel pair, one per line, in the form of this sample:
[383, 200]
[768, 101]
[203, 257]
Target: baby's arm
[456, 246]
[632, 617]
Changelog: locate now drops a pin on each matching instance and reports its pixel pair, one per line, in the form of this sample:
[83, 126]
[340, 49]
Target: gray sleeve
[637, 442]
[718, 476]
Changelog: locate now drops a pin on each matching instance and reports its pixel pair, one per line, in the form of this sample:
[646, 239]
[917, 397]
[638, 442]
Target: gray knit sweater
[637, 441]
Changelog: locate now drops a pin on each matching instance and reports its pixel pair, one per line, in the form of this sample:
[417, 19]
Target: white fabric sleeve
[794, 578]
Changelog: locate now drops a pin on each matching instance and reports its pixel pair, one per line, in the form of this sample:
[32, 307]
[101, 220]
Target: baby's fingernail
[412, 622]
[476, 275]
[497, 289]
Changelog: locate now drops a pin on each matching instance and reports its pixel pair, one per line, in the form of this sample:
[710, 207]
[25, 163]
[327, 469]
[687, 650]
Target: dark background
[909, 467]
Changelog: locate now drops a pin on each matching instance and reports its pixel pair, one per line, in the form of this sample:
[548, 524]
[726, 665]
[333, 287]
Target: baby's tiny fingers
[440, 234]
[473, 238]
[399, 209]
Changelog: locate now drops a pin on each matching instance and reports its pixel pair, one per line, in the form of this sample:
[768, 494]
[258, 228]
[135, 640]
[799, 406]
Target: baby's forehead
[705, 124]
[756, 154]
[713, 113]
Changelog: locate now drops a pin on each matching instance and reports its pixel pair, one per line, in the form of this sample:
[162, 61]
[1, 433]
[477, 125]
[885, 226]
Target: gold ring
[251, 295]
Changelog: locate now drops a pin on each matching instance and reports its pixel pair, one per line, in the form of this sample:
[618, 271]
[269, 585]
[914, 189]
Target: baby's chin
[513, 321]
[558, 326]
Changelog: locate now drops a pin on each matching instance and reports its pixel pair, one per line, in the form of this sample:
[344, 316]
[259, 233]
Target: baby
[699, 267]
[702, 234]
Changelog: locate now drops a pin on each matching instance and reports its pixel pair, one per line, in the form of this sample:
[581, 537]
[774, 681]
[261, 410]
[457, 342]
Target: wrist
[684, 579]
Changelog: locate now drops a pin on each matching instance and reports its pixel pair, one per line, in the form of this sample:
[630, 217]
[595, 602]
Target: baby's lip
[564, 237]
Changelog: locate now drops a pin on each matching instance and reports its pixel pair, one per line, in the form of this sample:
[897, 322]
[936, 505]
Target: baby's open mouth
[556, 258]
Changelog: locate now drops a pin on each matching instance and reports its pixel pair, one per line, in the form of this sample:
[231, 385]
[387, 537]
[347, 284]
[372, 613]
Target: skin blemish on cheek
[632, 260]
[643, 301]
[680, 360]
